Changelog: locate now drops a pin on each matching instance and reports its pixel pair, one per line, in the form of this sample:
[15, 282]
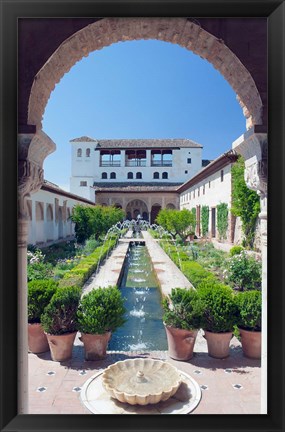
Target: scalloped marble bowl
[141, 381]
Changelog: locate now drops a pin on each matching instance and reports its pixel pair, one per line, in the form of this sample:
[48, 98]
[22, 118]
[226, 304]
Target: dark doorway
[154, 212]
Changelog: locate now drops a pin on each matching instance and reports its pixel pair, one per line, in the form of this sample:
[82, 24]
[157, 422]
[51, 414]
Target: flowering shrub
[37, 268]
[243, 272]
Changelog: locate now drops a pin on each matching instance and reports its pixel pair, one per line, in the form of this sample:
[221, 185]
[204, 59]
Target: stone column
[253, 147]
[123, 158]
[148, 158]
[32, 150]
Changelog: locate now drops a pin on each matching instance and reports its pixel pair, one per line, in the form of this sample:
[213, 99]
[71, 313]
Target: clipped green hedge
[87, 266]
[236, 250]
[196, 274]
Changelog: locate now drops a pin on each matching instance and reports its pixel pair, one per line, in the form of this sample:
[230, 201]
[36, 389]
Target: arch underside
[179, 31]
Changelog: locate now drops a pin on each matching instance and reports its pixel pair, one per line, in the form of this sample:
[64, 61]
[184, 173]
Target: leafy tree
[222, 219]
[94, 221]
[178, 222]
[245, 202]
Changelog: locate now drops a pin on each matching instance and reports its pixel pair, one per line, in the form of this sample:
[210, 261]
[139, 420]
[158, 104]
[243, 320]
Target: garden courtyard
[230, 385]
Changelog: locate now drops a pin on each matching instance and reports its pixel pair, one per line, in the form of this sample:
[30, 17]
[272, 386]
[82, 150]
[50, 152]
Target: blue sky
[140, 89]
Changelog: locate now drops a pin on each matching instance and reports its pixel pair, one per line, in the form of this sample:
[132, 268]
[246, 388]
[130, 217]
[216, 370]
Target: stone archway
[155, 209]
[136, 207]
[179, 31]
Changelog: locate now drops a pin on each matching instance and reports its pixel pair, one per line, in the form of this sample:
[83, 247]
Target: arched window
[112, 175]
[130, 175]
[138, 175]
[79, 152]
[39, 211]
[49, 213]
[156, 175]
[104, 175]
[165, 175]
[88, 152]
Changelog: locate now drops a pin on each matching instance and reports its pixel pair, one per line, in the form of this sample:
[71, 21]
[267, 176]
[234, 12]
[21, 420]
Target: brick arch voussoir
[179, 31]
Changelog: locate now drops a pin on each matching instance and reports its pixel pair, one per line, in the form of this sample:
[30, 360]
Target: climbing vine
[205, 220]
[193, 211]
[222, 219]
[245, 203]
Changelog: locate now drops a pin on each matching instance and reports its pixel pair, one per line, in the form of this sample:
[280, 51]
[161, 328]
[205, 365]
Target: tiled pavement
[229, 386]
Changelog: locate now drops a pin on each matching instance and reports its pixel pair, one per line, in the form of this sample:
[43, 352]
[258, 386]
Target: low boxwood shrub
[236, 250]
[196, 274]
[37, 267]
[249, 304]
[39, 294]
[101, 310]
[87, 266]
[59, 316]
[220, 308]
[182, 309]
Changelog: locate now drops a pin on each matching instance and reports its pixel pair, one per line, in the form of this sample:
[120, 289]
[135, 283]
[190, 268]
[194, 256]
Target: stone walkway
[168, 274]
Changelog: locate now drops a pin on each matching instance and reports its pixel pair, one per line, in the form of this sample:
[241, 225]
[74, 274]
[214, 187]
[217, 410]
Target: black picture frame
[10, 12]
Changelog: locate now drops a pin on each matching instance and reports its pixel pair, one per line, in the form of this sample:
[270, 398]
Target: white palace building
[140, 176]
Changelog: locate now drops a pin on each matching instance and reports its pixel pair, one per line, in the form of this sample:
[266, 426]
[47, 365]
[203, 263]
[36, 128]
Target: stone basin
[141, 381]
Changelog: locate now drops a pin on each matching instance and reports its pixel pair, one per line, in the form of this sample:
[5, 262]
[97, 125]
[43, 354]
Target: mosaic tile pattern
[204, 387]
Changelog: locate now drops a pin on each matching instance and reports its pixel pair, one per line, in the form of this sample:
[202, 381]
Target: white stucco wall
[88, 169]
[44, 225]
[211, 191]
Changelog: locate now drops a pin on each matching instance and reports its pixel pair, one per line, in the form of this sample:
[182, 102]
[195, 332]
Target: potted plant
[59, 322]
[39, 294]
[100, 312]
[219, 317]
[249, 304]
[182, 320]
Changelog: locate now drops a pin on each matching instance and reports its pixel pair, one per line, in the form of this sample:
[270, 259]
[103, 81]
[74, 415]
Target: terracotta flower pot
[61, 346]
[251, 343]
[95, 345]
[180, 342]
[218, 344]
[37, 339]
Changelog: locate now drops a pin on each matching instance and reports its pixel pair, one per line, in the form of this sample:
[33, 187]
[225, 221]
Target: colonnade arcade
[34, 145]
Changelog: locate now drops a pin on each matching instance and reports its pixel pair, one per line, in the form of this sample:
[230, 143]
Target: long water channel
[144, 328]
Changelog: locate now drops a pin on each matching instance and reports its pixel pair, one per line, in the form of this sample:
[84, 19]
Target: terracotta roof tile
[140, 143]
[135, 187]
